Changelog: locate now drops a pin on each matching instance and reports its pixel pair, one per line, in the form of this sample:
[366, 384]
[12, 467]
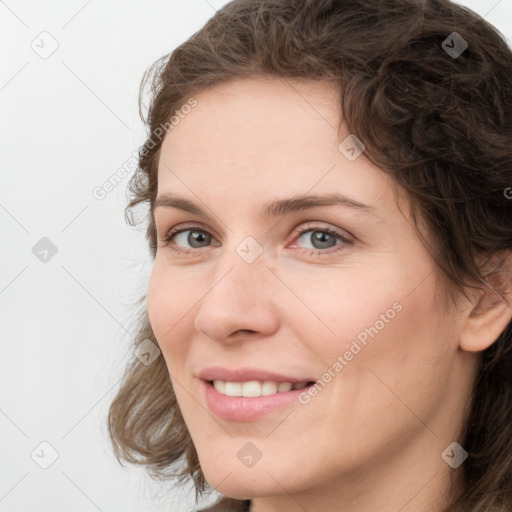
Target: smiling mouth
[255, 388]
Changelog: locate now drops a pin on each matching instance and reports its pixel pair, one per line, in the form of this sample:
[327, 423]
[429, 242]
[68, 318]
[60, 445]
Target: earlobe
[489, 317]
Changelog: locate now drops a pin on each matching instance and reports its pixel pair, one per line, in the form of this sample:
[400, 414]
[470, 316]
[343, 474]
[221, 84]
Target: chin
[236, 481]
[243, 490]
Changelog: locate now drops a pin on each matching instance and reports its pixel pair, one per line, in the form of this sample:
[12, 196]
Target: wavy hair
[440, 125]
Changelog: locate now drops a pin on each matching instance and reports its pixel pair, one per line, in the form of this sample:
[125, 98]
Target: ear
[489, 314]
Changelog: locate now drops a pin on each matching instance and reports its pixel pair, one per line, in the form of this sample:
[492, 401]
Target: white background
[68, 122]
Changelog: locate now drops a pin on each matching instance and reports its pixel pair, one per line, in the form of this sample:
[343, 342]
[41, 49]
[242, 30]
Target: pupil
[322, 237]
[196, 236]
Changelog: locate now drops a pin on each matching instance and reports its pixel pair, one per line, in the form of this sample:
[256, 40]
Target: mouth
[255, 388]
[248, 394]
[251, 400]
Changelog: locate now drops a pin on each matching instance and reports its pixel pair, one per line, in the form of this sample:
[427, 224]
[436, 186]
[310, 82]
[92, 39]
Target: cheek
[405, 360]
[381, 321]
[157, 298]
[167, 306]
[347, 304]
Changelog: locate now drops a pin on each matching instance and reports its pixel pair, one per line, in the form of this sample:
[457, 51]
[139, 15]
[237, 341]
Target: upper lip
[246, 374]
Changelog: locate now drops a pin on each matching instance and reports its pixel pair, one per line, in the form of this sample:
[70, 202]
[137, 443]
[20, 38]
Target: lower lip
[241, 408]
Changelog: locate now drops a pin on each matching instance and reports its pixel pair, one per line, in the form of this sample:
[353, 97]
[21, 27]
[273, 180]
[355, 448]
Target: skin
[372, 438]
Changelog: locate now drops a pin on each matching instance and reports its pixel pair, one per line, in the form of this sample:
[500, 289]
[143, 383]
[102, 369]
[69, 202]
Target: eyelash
[298, 234]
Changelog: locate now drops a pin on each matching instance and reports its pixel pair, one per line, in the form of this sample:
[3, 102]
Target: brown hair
[439, 124]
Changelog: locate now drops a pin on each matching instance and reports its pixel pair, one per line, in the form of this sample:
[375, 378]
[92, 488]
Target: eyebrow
[276, 208]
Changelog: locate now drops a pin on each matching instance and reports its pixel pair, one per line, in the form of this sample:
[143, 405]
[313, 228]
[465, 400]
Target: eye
[193, 235]
[322, 238]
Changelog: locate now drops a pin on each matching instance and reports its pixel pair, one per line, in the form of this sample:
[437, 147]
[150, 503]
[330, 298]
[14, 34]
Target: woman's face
[351, 302]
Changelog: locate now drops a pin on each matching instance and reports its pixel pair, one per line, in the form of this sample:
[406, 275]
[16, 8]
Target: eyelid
[184, 226]
[319, 225]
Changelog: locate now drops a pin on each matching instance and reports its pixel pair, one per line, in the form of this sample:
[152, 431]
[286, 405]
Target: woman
[331, 231]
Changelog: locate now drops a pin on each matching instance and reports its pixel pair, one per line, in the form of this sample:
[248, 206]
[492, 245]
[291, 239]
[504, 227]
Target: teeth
[233, 388]
[284, 386]
[268, 388]
[255, 388]
[251, 388]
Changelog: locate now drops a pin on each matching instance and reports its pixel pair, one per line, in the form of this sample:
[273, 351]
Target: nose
[241, 301]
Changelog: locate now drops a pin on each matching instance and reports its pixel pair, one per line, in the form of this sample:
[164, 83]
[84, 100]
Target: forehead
[264, 137]
[260, 117]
